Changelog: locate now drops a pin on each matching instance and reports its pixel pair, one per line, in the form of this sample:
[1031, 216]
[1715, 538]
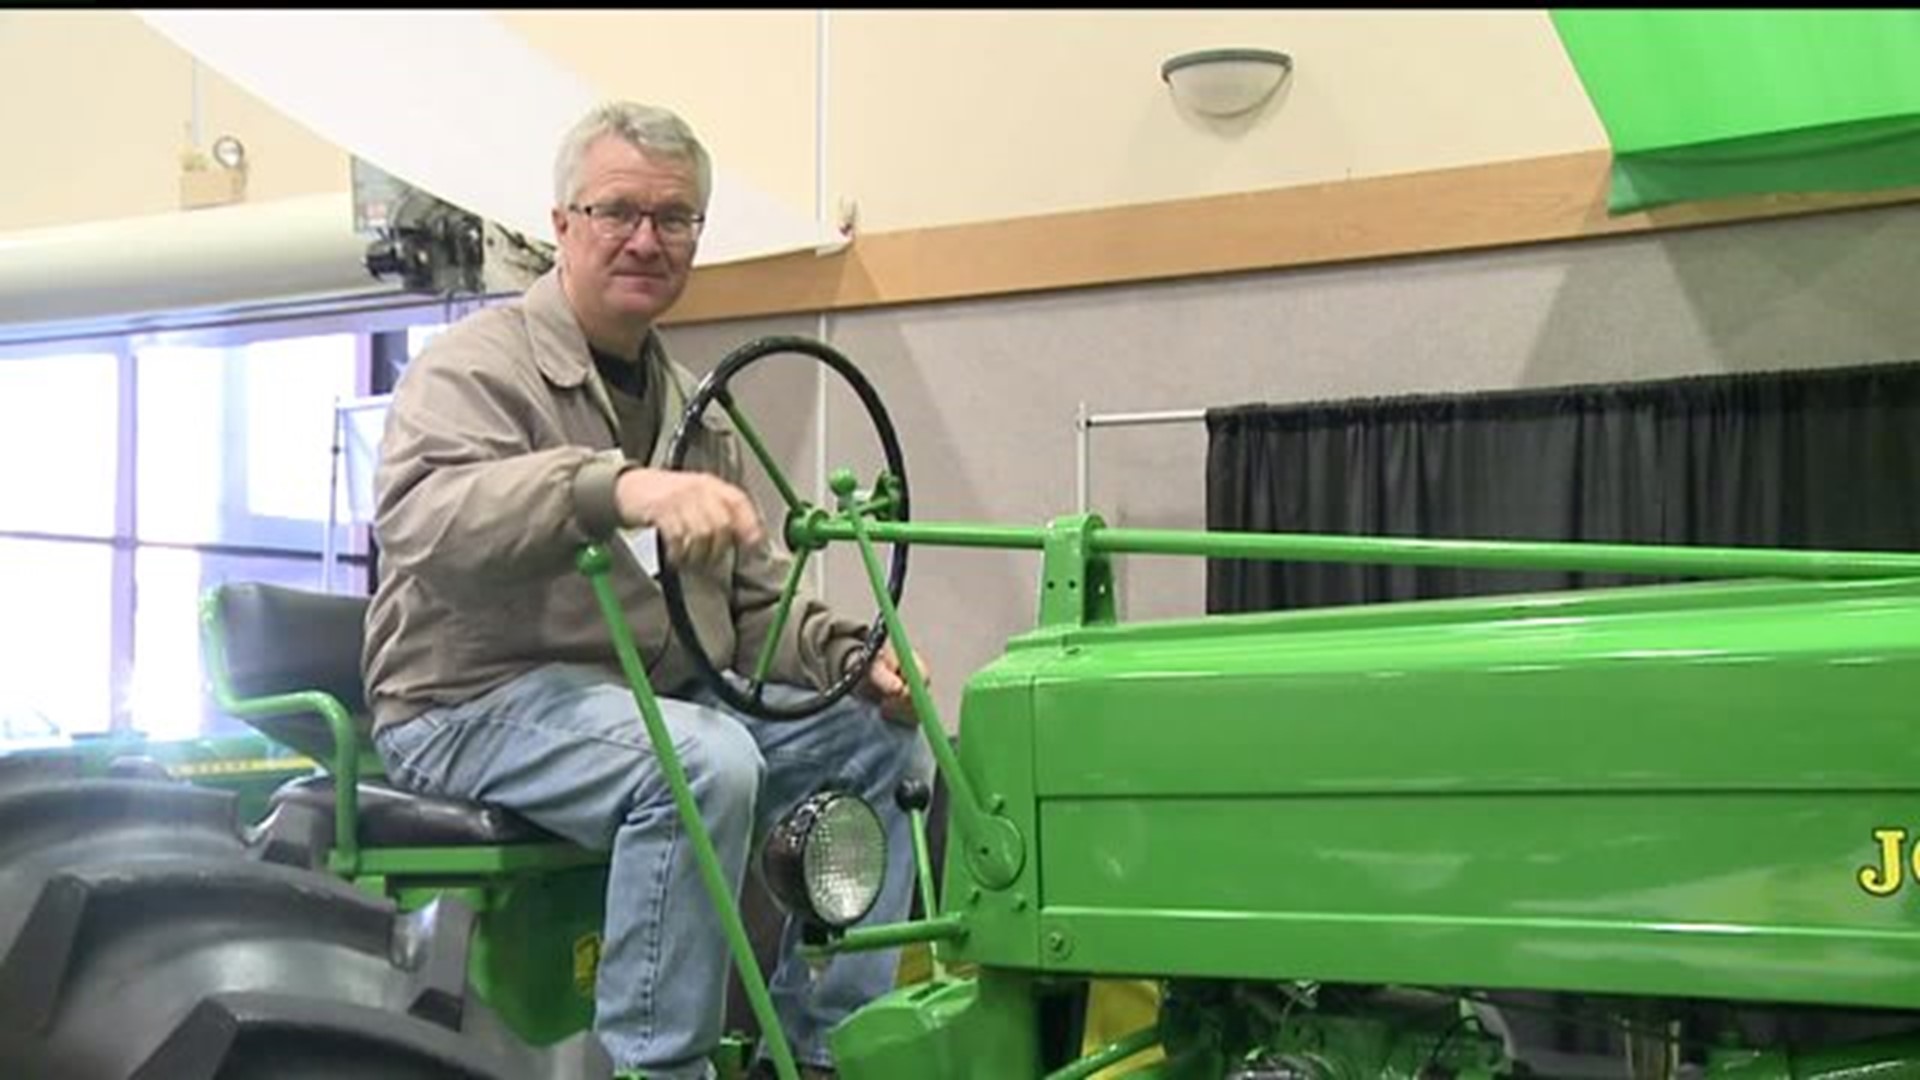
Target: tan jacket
[497, 465]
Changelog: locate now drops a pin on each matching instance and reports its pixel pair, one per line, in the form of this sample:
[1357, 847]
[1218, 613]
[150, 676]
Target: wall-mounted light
[1225, 82]
[230, 153]
[213, 180]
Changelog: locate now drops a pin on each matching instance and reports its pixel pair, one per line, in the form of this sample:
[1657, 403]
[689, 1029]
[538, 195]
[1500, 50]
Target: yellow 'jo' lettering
[586, 964]
[1884, 879]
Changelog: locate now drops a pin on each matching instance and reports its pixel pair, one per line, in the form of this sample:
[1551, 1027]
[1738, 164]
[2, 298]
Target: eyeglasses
[618, 221]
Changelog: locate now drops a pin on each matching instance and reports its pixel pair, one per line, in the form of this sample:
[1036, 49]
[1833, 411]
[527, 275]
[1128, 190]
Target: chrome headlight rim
[785, 864]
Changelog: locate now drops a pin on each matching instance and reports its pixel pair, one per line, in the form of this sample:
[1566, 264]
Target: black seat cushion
[395, 817]
[280, 640]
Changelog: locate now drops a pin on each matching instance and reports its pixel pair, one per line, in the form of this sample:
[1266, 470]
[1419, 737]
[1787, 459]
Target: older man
[522, 433]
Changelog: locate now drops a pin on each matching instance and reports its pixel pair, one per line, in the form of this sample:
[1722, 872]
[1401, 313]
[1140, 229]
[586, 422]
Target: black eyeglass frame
[686, 226]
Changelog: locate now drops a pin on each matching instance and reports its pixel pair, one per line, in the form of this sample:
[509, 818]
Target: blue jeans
[564, 746]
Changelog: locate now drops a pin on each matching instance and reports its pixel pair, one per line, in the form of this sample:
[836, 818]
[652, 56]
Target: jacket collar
[560, 350]
[559, 345]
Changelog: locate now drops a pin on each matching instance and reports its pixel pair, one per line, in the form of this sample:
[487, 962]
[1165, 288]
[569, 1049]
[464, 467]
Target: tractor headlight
[827, 860]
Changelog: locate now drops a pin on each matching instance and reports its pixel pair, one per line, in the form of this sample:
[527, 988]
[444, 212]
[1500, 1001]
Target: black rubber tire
[146, 935]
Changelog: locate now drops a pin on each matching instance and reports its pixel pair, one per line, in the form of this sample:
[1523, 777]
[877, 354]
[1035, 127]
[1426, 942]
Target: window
[418, 336]
[236, 443]
[166, 699]
[57, 518]
[56, 639]
[141, 471]
[235, 458]
[58, 476]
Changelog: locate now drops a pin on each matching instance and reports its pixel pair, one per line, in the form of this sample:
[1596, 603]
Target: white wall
[928, 118]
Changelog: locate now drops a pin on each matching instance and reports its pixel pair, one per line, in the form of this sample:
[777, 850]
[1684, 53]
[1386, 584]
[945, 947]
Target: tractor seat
[395, 817]
[275, 640]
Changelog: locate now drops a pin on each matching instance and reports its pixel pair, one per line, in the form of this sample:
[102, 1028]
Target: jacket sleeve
[462, 498]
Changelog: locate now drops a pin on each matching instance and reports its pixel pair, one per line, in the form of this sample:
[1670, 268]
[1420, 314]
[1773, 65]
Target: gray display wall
[985, 393]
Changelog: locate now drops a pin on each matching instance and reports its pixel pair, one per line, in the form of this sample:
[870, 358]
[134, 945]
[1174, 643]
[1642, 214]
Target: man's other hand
[698, 514]
[886, 686]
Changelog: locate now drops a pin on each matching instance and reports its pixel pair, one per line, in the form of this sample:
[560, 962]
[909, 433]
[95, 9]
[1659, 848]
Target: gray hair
[650, 129]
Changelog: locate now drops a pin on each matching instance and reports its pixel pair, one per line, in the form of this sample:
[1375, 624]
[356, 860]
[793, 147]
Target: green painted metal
[995, 756]
[1442, 800]
[597, 565]
[1510, 554]
[954, 1030]
[763, 664]
[1655, 559]
[929, 894]
[1076, 581]
[1556, 790]
[751, 434]
[884, 503]
[894, 935]
[992, 846]
[347, 752]
[816, 530]
[536, 945]
[1112, 1054]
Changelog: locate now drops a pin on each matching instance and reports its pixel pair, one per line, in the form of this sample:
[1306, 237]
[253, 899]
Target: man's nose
[645, 240]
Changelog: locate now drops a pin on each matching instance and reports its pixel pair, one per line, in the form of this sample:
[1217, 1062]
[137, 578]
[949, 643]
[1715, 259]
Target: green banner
[1703, 104]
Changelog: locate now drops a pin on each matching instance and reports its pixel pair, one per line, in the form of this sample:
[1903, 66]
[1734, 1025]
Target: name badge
[645, 544]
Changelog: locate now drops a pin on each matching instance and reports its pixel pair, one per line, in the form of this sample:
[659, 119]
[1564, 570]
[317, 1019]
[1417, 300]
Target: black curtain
[1807, 459]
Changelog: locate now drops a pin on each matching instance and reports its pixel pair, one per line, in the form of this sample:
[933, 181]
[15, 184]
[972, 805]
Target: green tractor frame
[1648, 831]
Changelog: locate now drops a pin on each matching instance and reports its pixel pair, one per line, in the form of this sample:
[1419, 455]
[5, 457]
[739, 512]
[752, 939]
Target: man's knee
[723, 765]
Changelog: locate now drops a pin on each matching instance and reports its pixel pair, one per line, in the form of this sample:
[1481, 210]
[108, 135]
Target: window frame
[378, 356]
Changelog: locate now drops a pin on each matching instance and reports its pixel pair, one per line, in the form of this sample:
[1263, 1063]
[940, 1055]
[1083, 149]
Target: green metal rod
[1513, 554]
[965, 805]
[759, 448]
[764, 662]
[923, 863]
[1111, 1054]
[597, 564]
[923, 867]
[345, 767]
[1403, 551]
[818, 532]
[892, 935]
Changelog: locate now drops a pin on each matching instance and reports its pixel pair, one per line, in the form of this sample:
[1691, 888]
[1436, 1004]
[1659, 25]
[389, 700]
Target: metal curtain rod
[1085, 422]
[1167, 416]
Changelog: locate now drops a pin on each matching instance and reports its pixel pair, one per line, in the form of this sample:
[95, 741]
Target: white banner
[453, 103]
[362, 421]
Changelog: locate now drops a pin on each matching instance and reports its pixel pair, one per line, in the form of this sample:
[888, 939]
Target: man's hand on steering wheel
[886, 686]
[700, 516]
[884, 683]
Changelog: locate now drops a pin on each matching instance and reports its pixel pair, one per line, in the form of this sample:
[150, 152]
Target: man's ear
[559, 215]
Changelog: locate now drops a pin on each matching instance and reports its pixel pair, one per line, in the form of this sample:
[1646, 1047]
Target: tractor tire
[146, 935]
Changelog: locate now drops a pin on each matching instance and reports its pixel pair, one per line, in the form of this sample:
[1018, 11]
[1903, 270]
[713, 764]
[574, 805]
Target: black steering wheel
[714, 388]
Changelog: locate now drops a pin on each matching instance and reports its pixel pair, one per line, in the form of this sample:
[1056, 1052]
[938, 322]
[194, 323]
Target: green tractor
[1652, 831]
